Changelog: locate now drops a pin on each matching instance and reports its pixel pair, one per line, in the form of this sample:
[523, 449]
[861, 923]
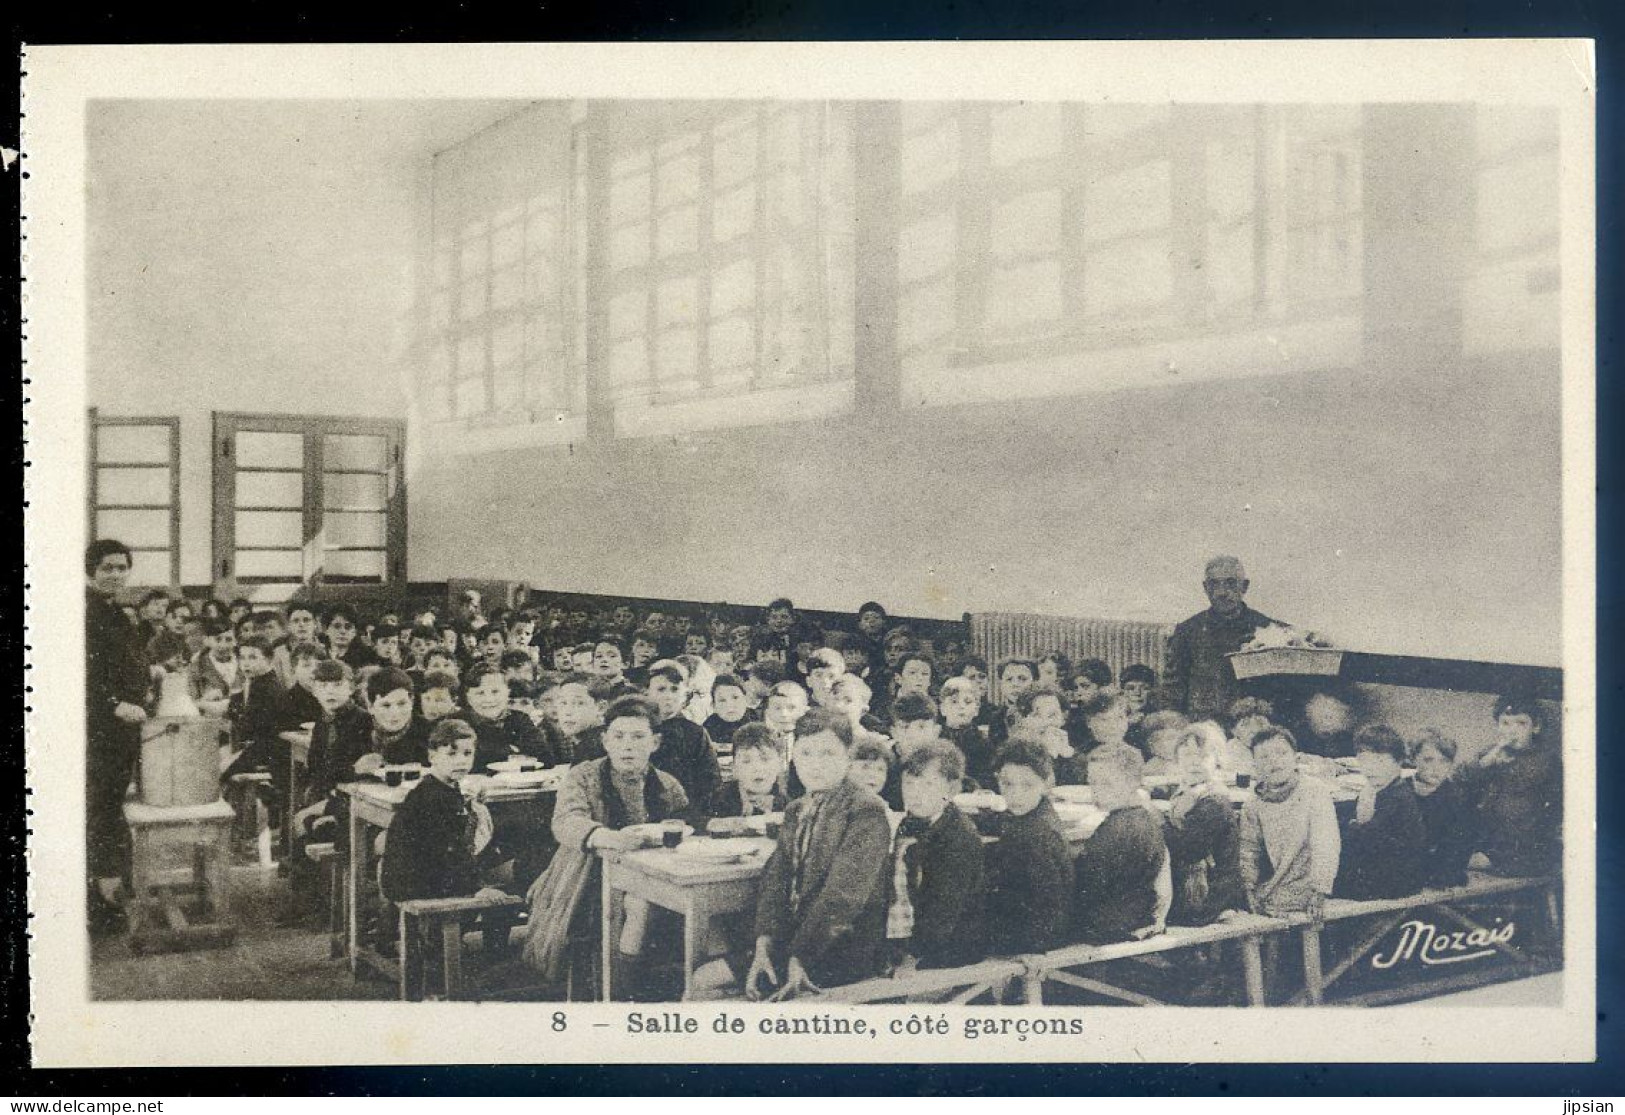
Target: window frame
[313, 429]
[98, 421]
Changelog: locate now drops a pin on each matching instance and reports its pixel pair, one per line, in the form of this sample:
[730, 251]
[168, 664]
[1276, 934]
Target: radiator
[1118, 643]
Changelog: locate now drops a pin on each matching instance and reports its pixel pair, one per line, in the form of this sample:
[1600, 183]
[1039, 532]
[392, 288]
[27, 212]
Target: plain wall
[244, 257]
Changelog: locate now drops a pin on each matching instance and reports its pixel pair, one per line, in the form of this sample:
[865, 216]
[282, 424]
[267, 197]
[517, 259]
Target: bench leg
[1313, 985]
[1252, 963]
[451, 946]
[411, 952]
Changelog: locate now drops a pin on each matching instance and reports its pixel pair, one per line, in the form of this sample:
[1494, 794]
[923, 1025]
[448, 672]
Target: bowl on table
[654, 833]
[718, 849]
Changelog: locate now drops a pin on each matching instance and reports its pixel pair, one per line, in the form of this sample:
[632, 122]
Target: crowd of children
[862, 740]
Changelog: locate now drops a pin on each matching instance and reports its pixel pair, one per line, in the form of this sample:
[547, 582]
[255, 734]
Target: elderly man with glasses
[1198, 679]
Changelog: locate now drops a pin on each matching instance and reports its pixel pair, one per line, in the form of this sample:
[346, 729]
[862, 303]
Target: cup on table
[392, 776]
[671, 833]
[1243, 779]
[411, 774]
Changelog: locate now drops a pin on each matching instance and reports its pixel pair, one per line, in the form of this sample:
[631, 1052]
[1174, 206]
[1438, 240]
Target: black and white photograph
[1036, 548]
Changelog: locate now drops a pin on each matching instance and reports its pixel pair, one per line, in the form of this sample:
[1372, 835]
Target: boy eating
[758, 766]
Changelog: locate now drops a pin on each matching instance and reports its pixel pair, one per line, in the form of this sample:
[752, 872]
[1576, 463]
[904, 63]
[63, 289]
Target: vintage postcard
[907, 552]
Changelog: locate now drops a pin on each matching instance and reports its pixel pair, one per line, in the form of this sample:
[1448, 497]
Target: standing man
[1198, 679]
[116, 683]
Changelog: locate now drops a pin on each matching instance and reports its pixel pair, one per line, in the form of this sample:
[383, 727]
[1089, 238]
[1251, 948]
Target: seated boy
[1202, 832]
[341, 738]
[502, 731]
[1385, 844]
[1030, 879]
[1119, 868]
[914, 722]
[215, 677]
[935, 916]
[685, 751]
[873, 767]
[301, 706]
[1516, 792]
[437, 696]
[437, 836]
[758, 767]
[257, 712]
[1139, 682]
[824, 666]
[1447, 816]
[577, 719]
[1016, 676]
[961, 706]
[1156, 736]
[1040, 719]
[386, 644]
[821, 910]
[1289, 840]
[729, 710]
[517, 665]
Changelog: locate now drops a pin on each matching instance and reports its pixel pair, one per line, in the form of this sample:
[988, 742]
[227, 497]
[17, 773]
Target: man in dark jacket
[1198, 679]
[116, 684]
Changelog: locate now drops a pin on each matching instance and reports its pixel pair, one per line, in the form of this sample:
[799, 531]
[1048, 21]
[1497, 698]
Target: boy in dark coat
[1385, 844]
[1118, 868]
[934, 919]
[436, 837]
[821, 911]
[1029, 868]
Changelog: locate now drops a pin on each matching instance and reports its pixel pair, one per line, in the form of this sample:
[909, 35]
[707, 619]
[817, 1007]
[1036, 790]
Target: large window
[1034, 227]
[504, 311]
[730, 248]
[135, 492]
[305, 501]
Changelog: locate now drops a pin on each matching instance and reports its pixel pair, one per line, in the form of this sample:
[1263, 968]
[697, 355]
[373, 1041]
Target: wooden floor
[268, 960]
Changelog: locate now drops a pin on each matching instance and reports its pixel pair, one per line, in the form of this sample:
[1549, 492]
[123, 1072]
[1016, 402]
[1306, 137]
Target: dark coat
[1204, 856]
[512, 734]
[1519, 810]
[946, 881]
[1449, 824]
[1117, 876]
[430, 850]
[685, 753]
[1386, 856]
[1197, 677]
[838, 928]
[335, 745]
[727, 801]
[1029, 884]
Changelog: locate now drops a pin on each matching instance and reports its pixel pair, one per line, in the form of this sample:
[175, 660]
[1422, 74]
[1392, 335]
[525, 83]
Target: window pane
[355, 451]
[732, 343]
[256, 449]
[150, 567]
[1129, 275]
[629, 246]
[1027, 224]
[353, 490]
[629, 362]
[135, 528]
[472, 303]
[1230, 264]
[1024, 295]
[1132, 200]
[733, 157]
[132, 485]
[628, 313]
[629, 199]
[677, 301]
[270, 489]
[679, 231]
[270, 528]
[925, 313]
[734, 213]
[507, 286]
[931, 158]
[677, 355]
[733, 287]
[359, 563]
[1026, 131]
[354, 529]
[927, 247]
[271, 563]
[679, 179]
[132, 445]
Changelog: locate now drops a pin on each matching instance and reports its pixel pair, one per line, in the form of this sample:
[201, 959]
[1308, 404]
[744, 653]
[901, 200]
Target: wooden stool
[326, 857]
[253, 820]
[179, 861]
[442, 919]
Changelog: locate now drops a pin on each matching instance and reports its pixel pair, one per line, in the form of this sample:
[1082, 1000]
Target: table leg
[1313, 985]
[451, 948]
[1252, 962]
[352, 892]
[606, 944]
[1032, 989]
[411, 959]
[695, 921]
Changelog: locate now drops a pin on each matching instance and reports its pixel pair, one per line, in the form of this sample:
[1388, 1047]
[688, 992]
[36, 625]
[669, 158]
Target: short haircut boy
[635, 708]
[1022, 663]
[912, 707]
[1095, 670]
[1382, 740]
[1119, 757]
[765, 673]
[331, 669]
[1030, 697]
[757, 737]
[449, 733]
[722, 681]
[1432, 737]
[386, 681]
[1025, 753]
[302, 651]
[338, 611]
[514, 659]
[255, 642]
[1140, 672]
[948, 760]
[1518, 704]
[1102, 702]
[973, 662]
[817, 720]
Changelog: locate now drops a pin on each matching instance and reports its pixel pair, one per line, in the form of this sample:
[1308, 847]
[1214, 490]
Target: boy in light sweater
[1289, 840]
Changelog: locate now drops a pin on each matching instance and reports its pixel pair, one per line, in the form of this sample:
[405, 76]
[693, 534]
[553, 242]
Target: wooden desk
[694, 888]
[372, 809]
[298, 770]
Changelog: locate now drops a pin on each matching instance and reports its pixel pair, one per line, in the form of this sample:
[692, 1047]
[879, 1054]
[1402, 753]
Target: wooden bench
[327, 859]
[1390, 913]
[1059, 965]
[934, 985]
[425, 918]
[253, 820]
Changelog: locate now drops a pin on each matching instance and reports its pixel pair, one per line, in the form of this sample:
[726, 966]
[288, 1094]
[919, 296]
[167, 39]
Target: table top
[686, 870]
[380, 793]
